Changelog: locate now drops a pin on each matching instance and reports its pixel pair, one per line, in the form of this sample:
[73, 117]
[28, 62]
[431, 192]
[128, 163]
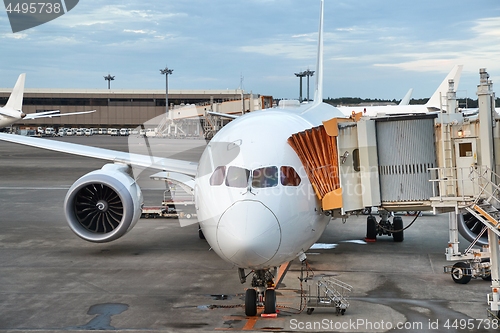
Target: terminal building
[128, 108]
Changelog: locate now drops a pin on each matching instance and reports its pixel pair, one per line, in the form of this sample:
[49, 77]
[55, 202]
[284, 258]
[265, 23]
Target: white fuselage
[258, 218]
[389, 110]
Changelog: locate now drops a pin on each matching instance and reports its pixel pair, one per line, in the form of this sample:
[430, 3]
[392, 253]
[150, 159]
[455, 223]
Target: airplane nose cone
[248, 234]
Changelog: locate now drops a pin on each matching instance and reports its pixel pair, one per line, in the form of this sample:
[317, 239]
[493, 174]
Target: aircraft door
[465, 157]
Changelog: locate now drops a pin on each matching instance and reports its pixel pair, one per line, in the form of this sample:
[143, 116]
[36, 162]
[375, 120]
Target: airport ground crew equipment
[327, 292]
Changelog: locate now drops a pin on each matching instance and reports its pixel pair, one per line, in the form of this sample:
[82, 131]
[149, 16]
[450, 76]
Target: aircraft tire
[251, 303]
[270, 301]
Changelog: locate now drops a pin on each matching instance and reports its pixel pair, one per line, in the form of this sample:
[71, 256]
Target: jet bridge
[443, 162]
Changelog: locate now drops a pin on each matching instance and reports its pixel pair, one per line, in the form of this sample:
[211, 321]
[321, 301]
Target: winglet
[15, 101]
[318, 94]
[442, 90]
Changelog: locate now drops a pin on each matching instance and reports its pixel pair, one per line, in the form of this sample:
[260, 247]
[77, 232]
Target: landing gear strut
[262, 292]
[384, 227]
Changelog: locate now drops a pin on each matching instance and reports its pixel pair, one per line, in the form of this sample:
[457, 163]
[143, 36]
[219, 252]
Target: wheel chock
[269, 315]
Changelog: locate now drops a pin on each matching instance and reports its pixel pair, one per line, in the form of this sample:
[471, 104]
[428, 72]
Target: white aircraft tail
[442, 90]
[15, 101]
[318, 93]
[407, 98]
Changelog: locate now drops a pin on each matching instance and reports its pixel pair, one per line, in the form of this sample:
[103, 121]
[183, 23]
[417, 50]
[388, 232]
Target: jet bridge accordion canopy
[317, 151]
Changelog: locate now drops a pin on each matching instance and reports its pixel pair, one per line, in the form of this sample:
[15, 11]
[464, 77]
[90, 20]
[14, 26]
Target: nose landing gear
[262, 293]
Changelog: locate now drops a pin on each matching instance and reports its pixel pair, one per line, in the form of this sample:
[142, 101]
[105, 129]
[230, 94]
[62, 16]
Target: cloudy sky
[373, 48]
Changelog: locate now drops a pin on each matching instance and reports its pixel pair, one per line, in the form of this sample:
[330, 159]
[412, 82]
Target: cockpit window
[237, 177]
[217, 177]
[265, 177]
[289, 176]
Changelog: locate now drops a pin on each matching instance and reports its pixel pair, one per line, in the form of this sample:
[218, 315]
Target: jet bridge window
[355, 160]
[217, 177]
[289, 176]
[465, 149]
[265, 177]
[237, 177]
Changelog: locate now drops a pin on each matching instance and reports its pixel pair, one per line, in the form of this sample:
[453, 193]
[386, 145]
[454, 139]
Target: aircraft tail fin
[318, 94]
[15, 101]
[442, 90]
[407, 98]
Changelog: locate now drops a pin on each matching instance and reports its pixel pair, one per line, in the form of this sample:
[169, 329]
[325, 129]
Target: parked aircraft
[12, 111]
[433, 104]
[256, 206]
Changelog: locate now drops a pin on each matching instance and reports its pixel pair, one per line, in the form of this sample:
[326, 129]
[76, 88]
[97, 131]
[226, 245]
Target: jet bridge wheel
[461, 273]
[251, 302]
[397, 224]
[371, 227]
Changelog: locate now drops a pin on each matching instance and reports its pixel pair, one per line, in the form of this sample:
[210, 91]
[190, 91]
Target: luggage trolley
[328, 292]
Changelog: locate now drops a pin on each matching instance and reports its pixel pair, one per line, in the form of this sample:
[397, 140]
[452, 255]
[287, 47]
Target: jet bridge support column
[452, 251]
[486, 109]
[486, 121]
[494, 297]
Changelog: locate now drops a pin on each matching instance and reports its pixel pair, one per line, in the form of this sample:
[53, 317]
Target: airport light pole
[109, 78]
[300, 75]
[308, 73]
[167, 72]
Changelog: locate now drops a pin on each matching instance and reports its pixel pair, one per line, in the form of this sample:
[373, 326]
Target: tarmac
[162, 278]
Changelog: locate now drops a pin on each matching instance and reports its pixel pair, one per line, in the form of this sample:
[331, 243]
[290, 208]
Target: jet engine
[469, 227]
[104, 205]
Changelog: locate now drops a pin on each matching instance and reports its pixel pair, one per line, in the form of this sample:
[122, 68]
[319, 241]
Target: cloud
[279, 49]
[480, 49]
[148, 32]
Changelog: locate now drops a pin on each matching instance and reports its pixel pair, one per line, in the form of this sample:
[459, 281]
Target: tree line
[462, 102]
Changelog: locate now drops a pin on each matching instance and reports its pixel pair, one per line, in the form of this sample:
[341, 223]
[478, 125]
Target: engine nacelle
[104, 205]
[469, 227]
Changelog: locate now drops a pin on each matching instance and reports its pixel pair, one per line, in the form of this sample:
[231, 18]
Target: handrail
[481, 178]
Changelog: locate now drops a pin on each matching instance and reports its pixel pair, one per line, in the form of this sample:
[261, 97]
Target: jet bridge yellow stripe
[486, 215]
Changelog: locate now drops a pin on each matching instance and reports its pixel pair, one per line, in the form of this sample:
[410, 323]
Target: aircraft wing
[159, 163]
[232, 116]
[55, 113]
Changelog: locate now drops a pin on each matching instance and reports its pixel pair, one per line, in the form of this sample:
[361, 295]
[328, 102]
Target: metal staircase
[486, 201]
[483, 204]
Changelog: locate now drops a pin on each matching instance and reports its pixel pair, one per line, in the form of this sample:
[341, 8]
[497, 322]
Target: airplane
[12, 111]
[432, 105]
[256, 206]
